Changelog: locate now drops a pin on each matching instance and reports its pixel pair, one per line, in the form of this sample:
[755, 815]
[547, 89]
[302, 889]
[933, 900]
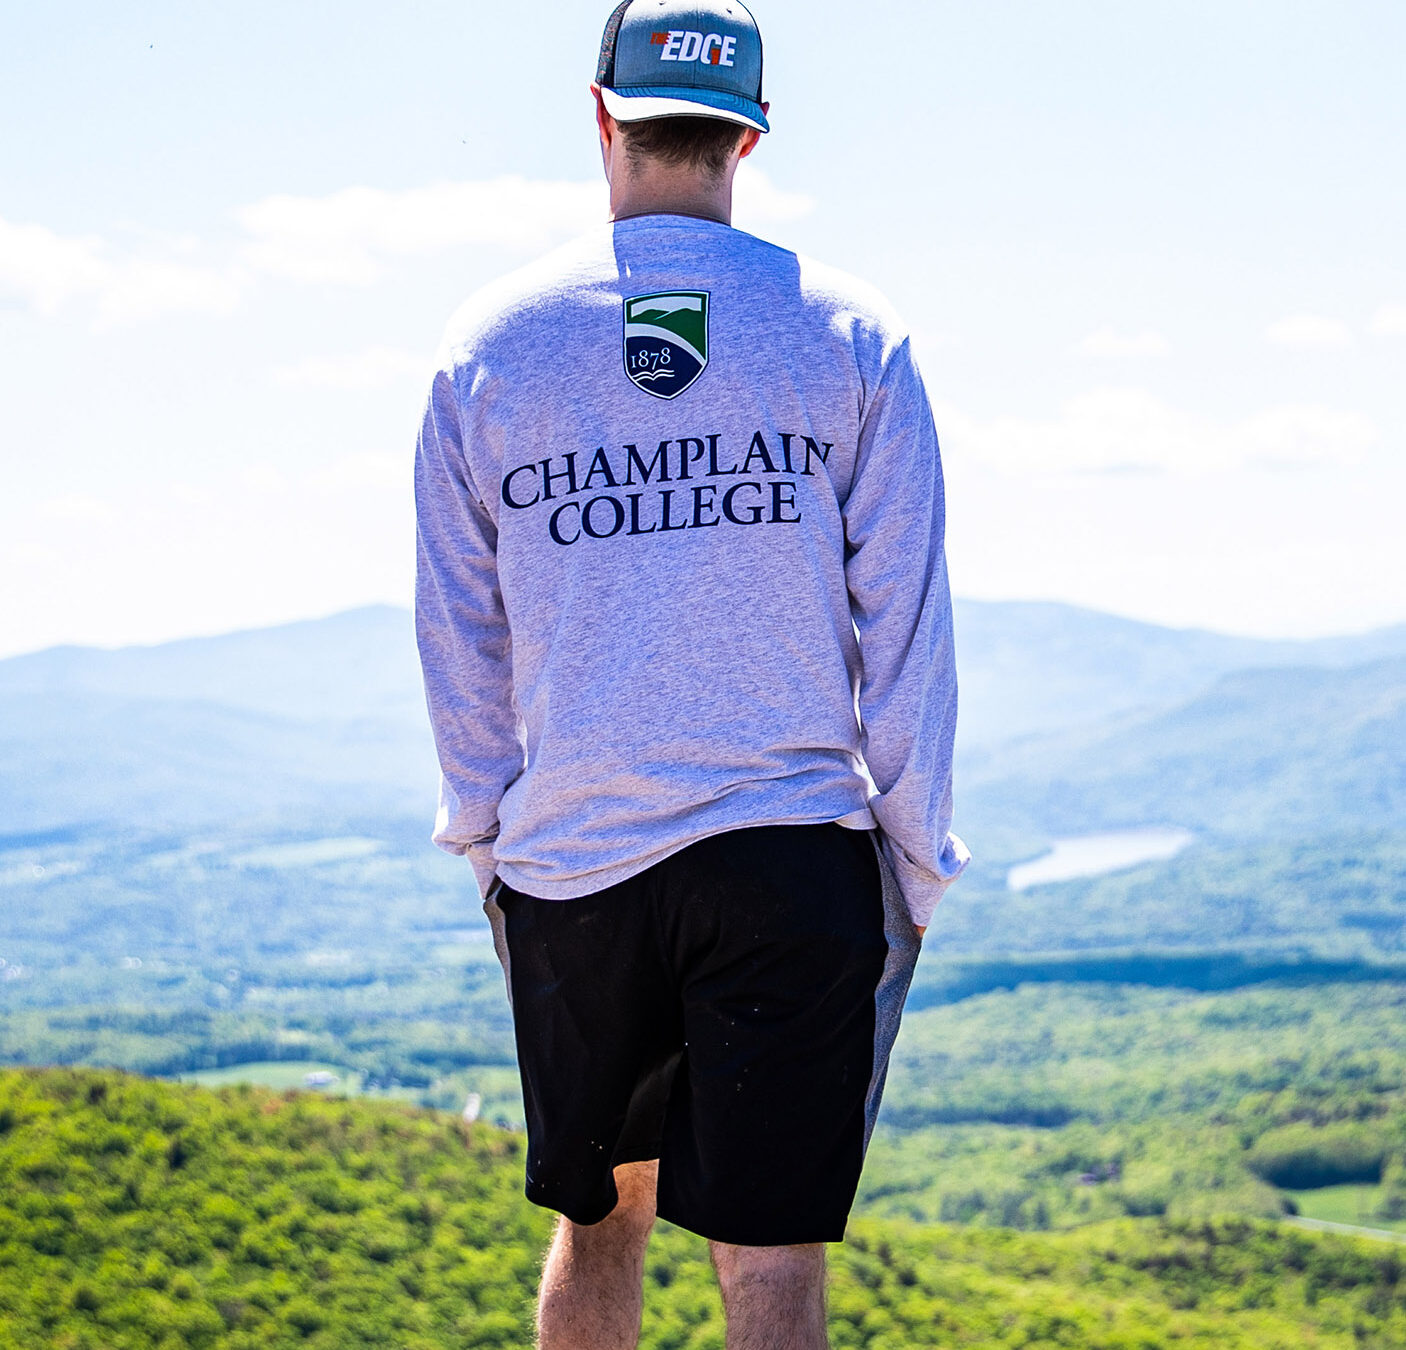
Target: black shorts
[729, 1011]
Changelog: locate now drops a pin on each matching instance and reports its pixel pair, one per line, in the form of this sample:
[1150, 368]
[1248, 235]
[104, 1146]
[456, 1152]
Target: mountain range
[1071, 720]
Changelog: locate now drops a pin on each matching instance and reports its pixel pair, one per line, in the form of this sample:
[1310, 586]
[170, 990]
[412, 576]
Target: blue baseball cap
[682, 58]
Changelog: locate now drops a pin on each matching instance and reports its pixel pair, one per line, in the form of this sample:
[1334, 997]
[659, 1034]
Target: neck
[654, 193]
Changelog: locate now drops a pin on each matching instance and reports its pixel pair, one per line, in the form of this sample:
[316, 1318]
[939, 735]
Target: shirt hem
[589, 883]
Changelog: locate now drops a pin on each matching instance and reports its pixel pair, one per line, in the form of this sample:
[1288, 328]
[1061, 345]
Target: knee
[632, 1219]
[781, 1268]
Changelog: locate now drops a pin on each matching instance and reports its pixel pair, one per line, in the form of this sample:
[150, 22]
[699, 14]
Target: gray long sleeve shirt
[681, 564]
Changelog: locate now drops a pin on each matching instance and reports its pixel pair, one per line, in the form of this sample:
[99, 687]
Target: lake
[1091, 855]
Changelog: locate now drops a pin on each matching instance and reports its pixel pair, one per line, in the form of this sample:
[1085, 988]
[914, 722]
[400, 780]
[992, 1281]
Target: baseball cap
[682, 58]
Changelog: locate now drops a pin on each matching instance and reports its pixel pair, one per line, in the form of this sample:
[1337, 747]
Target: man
[680, 534]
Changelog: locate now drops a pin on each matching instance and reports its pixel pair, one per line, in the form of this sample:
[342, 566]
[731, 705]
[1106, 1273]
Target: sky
[1151, 254]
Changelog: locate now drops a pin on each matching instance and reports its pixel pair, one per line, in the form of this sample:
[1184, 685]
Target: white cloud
[348, 237]
[1107, 342]
[262, 478]
[254, 543]
[1308, 330]
[78, 510]
[139, 288]
[1389, 321]
[932, 346]
[365, 472]
[758, 201]
[45, 271]
[371, 368]
[1296, 435]
[1130, 430]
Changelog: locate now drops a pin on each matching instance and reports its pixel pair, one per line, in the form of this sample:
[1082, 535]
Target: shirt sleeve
[462, 632]
[896, 573]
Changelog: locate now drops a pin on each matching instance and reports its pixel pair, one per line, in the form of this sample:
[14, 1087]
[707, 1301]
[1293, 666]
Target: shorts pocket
[498, 926]
[904, 945]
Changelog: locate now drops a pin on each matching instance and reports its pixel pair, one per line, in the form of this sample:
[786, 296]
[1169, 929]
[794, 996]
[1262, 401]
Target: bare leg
[774, 1297]
[592, 1282]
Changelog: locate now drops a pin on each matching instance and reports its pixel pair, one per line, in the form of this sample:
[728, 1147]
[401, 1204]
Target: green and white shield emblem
[666, 340]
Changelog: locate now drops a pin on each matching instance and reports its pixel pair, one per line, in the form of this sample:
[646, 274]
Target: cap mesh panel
[605, 67]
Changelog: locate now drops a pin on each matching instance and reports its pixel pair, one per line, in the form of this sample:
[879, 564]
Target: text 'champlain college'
[590, 502]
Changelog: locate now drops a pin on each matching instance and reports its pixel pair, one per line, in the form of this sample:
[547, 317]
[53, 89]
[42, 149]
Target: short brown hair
[704, 143]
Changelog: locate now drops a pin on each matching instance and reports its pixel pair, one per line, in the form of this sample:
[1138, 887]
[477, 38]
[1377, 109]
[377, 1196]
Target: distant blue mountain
[113, 762]
[1071, 719]
[1025, 667]
[1035, 668]
[1291, 753]
[235, 801]
[360, 663]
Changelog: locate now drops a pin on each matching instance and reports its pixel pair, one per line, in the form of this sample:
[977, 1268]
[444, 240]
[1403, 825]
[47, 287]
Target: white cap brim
[644, 108]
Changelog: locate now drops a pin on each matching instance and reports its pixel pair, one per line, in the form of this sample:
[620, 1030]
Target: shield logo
[666, 340]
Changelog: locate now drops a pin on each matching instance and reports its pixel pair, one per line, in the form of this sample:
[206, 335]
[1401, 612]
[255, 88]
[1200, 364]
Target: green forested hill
[1054, 1105]
[135, 1213]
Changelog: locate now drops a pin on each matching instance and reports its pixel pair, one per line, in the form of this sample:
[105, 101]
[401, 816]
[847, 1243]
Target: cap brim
[643, 106]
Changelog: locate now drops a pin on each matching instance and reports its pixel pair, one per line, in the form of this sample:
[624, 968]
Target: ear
[605, 123]
[749, 141]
